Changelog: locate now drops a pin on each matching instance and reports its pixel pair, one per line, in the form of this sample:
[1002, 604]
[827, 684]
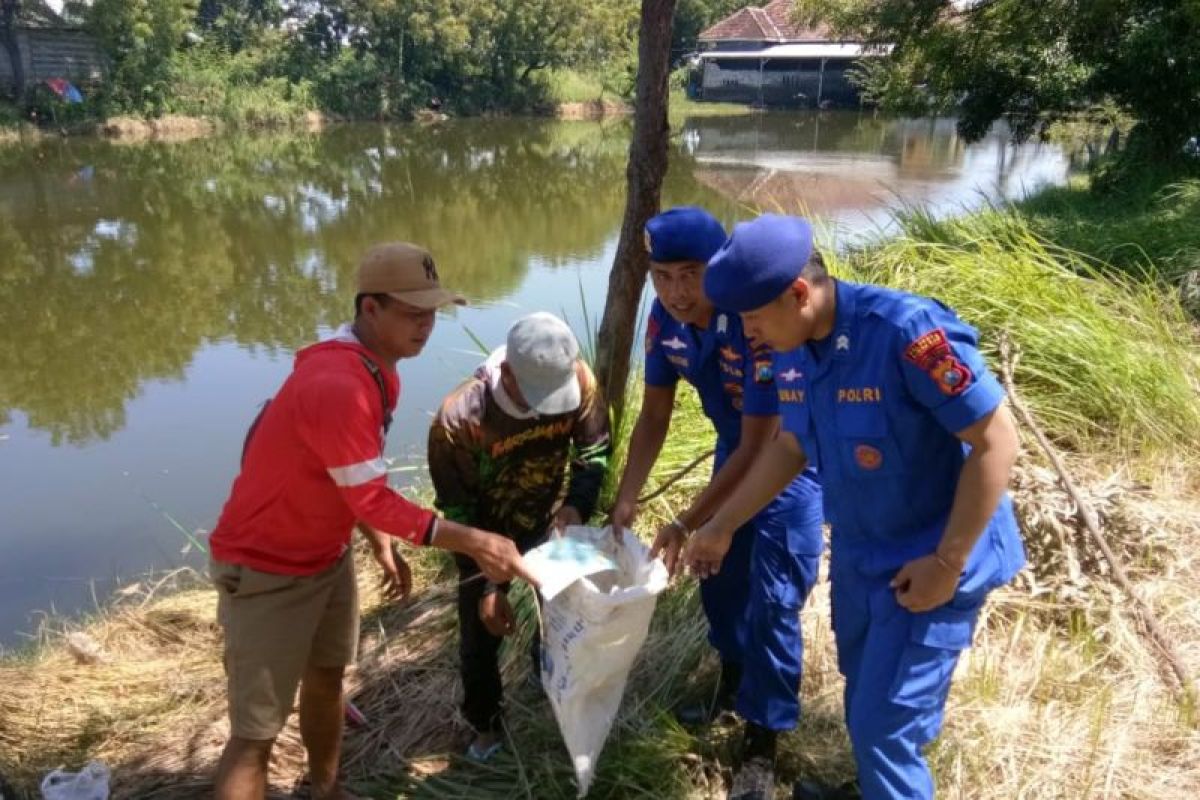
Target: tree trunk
[8, 39]
[644, 178]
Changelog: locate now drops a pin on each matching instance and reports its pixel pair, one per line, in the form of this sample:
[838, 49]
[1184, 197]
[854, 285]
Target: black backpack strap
[377, 374]
[254, 427]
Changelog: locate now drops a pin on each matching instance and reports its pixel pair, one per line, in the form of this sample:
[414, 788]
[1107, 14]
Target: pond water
[152, 295]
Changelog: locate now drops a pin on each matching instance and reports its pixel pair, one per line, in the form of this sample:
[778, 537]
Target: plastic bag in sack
[90, 783]
[599, 597]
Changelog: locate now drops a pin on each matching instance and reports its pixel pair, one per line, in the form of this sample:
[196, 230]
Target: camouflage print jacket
[499, 472]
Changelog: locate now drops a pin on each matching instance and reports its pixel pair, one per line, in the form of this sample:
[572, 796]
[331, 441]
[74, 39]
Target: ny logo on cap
[430, 269]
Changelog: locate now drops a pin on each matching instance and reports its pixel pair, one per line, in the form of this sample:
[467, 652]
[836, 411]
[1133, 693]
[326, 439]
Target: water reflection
[118, 263]
[854, 170]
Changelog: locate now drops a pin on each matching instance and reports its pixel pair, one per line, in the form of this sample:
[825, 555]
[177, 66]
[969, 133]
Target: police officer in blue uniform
[753, 604]
[888, 396]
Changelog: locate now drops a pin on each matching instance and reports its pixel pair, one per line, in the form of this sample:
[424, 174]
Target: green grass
[576, 86]
[1106, 359]
[683, 107]
[229, 88]
[1151, 224]
[10, 115]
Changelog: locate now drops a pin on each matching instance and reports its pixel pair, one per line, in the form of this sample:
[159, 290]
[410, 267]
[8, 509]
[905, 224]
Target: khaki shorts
[275, 627]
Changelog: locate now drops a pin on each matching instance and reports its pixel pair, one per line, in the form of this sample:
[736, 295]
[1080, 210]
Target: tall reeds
[1107, 360]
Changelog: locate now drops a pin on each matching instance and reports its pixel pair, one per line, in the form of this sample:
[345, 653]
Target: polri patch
[932, 353]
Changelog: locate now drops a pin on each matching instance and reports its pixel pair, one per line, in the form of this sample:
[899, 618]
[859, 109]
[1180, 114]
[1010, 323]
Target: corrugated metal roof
[808, 50]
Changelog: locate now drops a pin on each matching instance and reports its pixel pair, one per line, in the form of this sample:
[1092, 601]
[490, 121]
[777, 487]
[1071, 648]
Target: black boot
[815, 790]
[702, 713]
[755, 778]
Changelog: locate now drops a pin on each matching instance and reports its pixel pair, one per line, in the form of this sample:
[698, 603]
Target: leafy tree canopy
[1030, 61]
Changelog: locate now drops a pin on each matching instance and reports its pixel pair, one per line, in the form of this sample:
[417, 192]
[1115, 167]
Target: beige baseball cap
[406, 272]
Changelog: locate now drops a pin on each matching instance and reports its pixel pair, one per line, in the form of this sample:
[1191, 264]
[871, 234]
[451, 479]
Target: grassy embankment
[587, 94]
[1060, 697]
[227, 94]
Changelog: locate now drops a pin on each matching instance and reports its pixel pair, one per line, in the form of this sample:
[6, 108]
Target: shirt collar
[840, 341]
[344, 333]
[843, 323]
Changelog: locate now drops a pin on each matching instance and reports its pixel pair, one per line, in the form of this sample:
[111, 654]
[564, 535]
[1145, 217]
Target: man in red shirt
[313, 467]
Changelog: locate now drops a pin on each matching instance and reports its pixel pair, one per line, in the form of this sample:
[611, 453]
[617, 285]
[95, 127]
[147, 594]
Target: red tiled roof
[741, 24]
[771, 23]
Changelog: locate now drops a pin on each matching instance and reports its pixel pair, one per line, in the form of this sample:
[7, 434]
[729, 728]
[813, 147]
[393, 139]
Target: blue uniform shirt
[731, 377]
[876, 406]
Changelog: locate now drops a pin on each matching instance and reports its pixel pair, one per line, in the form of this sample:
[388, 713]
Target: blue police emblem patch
[763, 373]
[952, 376]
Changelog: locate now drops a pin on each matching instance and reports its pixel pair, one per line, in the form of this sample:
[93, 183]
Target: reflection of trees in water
[917, 145]
[118, 263]
[824, 163]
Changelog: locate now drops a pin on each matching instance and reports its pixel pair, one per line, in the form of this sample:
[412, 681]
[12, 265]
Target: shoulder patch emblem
[932, 353]
[928, 349]
[652, 329]
[763, 372]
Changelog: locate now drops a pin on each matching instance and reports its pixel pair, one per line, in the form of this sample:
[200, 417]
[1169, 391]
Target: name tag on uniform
[862, 394]
[678, 361]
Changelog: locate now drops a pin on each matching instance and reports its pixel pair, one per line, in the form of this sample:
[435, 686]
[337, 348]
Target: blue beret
[685, 233]
[759, 262]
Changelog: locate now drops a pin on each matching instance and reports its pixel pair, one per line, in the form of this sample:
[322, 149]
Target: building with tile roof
[763, 57]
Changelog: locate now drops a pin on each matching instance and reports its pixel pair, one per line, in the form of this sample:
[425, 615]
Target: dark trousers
[479, 653]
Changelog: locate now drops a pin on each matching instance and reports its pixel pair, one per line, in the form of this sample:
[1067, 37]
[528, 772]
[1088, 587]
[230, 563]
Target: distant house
[762, 57]
[48, 48]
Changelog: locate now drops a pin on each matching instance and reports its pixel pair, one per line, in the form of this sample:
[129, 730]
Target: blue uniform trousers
[898, 667]
[753, 609]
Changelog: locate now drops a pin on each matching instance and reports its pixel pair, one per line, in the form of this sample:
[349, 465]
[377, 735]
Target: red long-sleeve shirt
[314, 466]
